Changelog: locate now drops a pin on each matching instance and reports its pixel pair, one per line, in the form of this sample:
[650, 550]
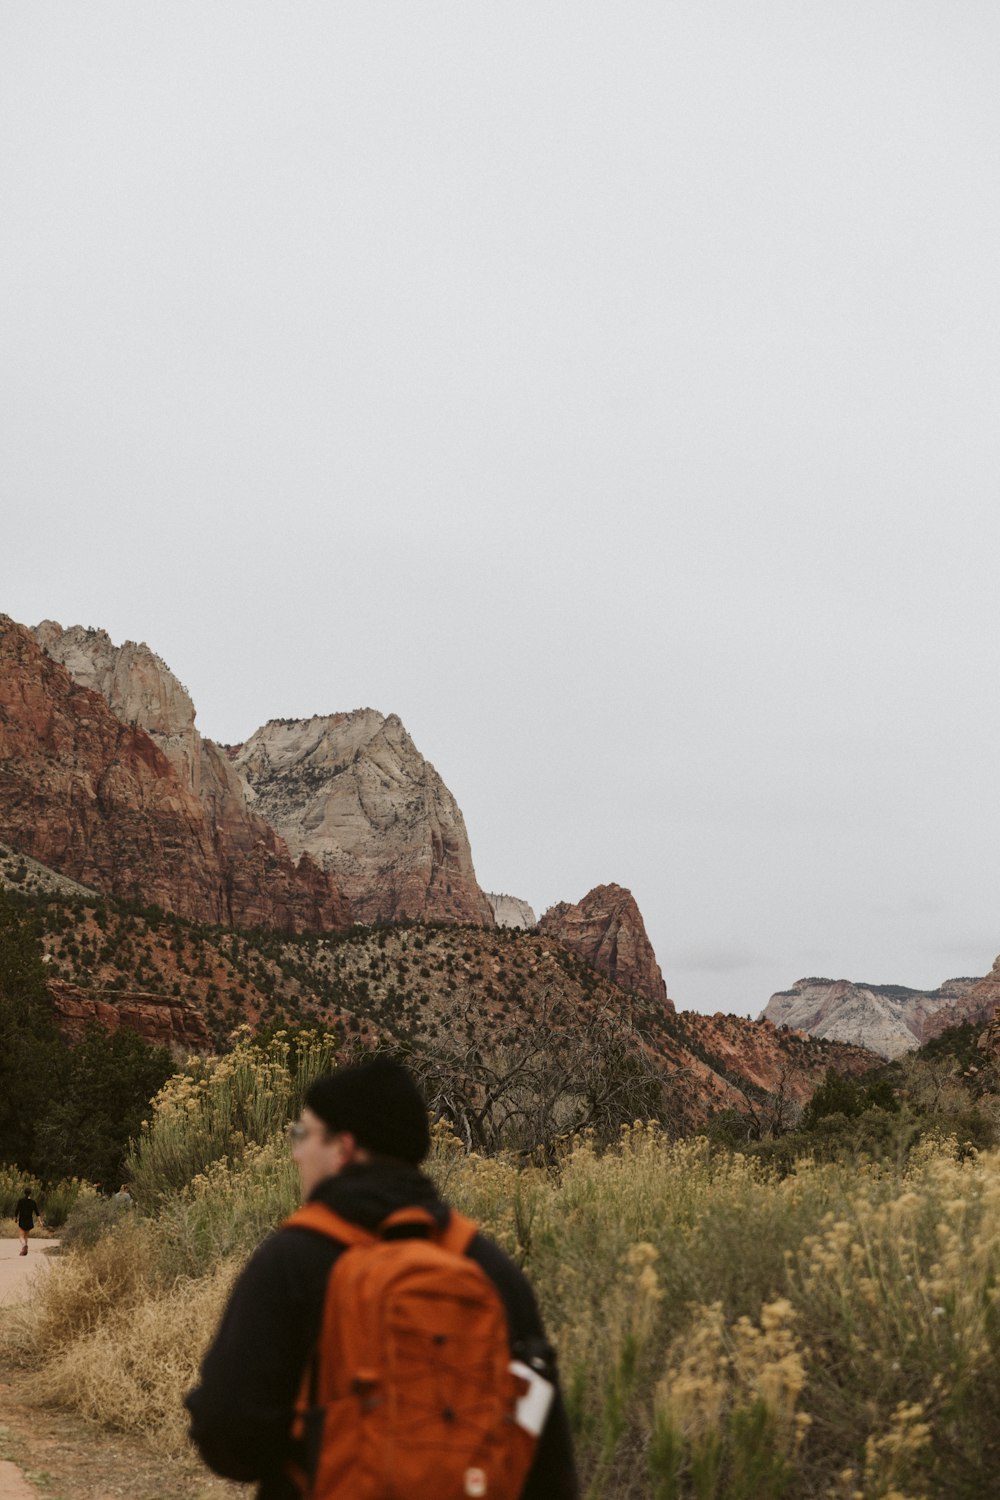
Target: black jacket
[241, 1412]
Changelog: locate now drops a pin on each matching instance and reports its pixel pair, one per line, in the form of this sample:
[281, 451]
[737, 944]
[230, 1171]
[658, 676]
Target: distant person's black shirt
[26, 1213]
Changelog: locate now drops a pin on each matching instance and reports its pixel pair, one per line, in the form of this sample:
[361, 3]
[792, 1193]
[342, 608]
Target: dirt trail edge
[57, 1455]
[13, 1485]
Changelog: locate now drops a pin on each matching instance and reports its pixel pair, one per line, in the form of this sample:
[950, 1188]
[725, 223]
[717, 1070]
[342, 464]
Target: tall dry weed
[130, 1369]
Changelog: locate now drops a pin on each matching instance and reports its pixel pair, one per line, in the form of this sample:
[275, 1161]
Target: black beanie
[379, 1103]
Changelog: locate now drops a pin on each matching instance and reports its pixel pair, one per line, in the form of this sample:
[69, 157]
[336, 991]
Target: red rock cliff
[606, 929]
[96, 799]
[157, 1019]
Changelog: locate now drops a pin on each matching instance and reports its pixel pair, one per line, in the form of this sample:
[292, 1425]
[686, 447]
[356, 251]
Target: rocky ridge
[348, 795]
[887, 1019]
[607, 931]
[353, 792]
[96, 799]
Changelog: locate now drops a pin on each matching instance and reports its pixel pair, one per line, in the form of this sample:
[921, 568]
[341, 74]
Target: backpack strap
[323, 1220]
[457, 1235]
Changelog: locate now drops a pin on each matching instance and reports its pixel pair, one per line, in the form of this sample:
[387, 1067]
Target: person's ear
[348, 1145]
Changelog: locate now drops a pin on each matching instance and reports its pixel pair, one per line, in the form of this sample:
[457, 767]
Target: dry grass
[129, 1368]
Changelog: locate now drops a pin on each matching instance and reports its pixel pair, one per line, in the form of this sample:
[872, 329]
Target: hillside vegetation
[487, 1006]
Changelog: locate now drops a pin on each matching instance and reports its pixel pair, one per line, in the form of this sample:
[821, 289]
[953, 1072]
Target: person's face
[317, 1151]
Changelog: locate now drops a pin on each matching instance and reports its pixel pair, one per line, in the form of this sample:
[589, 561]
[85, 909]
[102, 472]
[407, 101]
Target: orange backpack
[412, 1393]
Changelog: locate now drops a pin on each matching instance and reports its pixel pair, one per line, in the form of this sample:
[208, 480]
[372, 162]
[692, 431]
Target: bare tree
[557, 1071]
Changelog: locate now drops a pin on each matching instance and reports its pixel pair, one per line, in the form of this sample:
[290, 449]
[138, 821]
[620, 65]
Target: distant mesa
[886, 1018]
[509, 911]
[607, 931]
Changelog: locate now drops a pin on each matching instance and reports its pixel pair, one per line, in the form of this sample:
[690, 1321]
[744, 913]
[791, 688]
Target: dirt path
[17, 1271]
[57, 1455]
[54, 1455]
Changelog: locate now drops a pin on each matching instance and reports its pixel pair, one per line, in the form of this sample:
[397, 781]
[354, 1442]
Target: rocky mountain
[510, 911]
[96, 799]
[348, 795]
[888, 1019]
[607, 931]
[353, 792]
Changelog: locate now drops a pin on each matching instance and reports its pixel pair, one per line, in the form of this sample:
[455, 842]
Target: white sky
[611, 391]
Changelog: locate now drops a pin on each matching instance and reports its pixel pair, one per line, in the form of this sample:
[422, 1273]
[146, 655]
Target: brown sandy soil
[64, 1458]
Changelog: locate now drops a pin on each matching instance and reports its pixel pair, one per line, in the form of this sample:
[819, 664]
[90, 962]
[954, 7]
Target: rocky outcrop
[976, 1006]
[886, 1018]
[989, 1042]
[137, 685]
[353, 791]
[31, 878]
[607, 931]
[96, 799]
[158, 1020]
[508, 911]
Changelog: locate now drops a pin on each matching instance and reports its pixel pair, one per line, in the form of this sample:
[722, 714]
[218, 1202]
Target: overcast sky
[609, 390]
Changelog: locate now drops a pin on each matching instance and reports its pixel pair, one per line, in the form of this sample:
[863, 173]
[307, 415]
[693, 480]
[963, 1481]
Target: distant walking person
[25, 1213]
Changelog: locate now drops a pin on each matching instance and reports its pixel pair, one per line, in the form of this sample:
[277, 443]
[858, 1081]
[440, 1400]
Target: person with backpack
[377, 1346]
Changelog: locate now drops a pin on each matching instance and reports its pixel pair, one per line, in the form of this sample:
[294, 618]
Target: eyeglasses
[297, 1131]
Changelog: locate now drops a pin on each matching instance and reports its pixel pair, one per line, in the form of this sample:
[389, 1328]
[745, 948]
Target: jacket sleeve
[242, 1408]
[553, 1473]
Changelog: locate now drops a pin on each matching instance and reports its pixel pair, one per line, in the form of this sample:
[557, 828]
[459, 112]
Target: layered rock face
[887, 1019]
[96, 799]
[353, 791]
[159, 1021]
[607, 931]
[139, 688]
[509, 911]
